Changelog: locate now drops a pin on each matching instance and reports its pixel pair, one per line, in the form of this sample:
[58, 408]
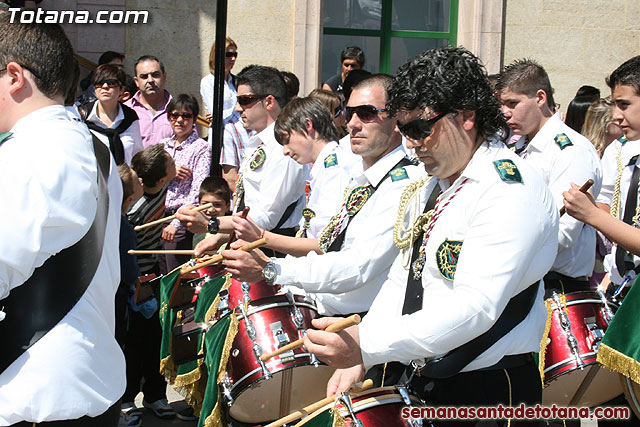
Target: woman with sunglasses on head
[115, 124]
[193, 160]
[235, 137]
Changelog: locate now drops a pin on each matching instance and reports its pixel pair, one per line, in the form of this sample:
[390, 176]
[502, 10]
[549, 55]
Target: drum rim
[258, 308]
[569, 361]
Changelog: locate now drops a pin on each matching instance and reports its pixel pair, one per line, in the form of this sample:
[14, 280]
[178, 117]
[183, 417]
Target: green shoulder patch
[563, 140]
[4, 136]
[258, 159]
[398, 173]
[633, 160]
[330, 160]
[447, 258]
[623, 139]
[507, 170]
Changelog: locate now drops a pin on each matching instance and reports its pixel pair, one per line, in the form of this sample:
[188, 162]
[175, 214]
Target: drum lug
[314, 360]
[596, 333]
[346, 401]
[226, 389]
[296, 315]
[607, 313]
[223, 305]
[257, 352]
[404, 393]
[564, 319]
[246, 288]
[575, 350]
[248, 324]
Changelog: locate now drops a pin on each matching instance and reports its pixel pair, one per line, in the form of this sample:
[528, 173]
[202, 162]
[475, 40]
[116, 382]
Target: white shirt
[229, 98]
[77, 368]
[348, 280]
[330, 176]
[274, 185]
[559, 168]
[131, 138]
[499, 258]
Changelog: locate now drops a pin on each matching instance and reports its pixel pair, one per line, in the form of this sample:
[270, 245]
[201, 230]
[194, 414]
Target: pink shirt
[153, 128]
[193, 153]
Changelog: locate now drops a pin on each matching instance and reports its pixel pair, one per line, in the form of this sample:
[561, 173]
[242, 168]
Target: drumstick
[168, 218]
[217, 258]
[232, 236]
[159, 251]
[354, 319]
[356, 388]
[586, 186]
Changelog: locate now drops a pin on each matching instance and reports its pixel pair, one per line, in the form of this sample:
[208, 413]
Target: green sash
[620, 347]
[167, 321]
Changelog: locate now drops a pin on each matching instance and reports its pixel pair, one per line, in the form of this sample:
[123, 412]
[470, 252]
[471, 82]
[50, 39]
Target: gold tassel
[215, 418]
[338, 419]
[543, 343]
[615, 361]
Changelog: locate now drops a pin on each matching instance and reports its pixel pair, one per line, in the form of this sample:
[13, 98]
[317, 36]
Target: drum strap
[35, 307]
[624, 260]
[453, 362]
[336, 245]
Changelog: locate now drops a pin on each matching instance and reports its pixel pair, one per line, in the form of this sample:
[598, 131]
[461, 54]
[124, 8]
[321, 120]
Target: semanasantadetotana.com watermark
[41, 16]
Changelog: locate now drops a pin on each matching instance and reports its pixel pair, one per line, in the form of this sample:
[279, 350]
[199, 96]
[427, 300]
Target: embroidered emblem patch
[507, 170]
[398, 174]
[307, 214]
[623, 139]
[258, 159]
[563, 141]
[356, 200]
[330, 160]
[4, 136]
[633, 160]
[447, 258]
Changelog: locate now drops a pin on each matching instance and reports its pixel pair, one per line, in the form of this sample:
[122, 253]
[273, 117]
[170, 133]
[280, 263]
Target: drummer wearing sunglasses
[464, 269]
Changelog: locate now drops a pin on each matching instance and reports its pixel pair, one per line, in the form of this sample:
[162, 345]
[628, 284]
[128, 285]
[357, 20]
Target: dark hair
[577, 111]
[215, 185]
[527, 77]
[352, 78]
[448, 79]
[147, 58]
[126, 177]
[186, 101]
[292, 82]
[627, 74]
[375, 80]
[294, 115]
[109, 56]
[43, 48]
[264, 80]
[109, 71]
[590, 91]
[151, 164]
[73, 89]
[130, 85]
[352, 52]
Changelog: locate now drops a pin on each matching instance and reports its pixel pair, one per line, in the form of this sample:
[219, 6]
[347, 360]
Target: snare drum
[257, 391]
[572, 375]
[375, 407]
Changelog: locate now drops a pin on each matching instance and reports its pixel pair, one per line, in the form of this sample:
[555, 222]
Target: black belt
[565, 284]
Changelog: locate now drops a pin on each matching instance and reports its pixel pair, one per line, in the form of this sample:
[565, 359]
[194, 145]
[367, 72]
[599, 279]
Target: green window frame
[386, 34]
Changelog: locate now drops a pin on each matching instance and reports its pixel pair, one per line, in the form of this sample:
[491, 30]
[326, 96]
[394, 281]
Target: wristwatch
[270, 272]
[214, 225]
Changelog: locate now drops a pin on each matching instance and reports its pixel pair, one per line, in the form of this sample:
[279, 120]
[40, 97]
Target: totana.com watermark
[41, 16]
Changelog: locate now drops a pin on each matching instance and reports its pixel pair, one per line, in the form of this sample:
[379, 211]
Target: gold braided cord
[410, 193]
[543, 342]
[615, 200]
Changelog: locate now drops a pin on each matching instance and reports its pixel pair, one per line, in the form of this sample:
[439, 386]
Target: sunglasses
[111, 83]
[419, 128]
[185, 116]
[367, 113]
[231, 54]
[337, 111]
[250, 99]
[31, 70]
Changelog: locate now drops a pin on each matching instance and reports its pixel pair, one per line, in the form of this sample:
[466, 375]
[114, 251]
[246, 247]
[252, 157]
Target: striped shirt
[148, 208]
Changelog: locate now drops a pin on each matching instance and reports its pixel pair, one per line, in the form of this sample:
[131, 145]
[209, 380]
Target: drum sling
[35, 307]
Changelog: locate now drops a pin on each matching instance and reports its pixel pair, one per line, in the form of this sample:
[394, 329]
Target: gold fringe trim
[338, 419]
[215, 418]
[614, 360]
[543, 343]
[168, 369]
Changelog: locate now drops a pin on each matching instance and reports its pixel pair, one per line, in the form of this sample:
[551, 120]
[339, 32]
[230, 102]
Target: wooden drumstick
[168, 218]
[217, 258]
[356, 388]
[585, 187]
[232, 236]
[159, 251]
[354, 319]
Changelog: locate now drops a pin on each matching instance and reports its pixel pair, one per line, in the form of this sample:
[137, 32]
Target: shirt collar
[476, 169]
[26, 123]
[135, 101]
[546, 133]
[267, 134]
[376, 173]
[326, 150]
[190, 139]
[94, 118]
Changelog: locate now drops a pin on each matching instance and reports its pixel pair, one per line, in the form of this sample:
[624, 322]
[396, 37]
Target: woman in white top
[235, 137]
[115, 124]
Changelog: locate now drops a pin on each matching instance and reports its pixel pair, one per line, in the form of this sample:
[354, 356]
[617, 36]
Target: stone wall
[579, 42]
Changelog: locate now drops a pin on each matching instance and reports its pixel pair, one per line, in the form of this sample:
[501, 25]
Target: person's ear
[468, 119]
[541, 98]
[17, 77]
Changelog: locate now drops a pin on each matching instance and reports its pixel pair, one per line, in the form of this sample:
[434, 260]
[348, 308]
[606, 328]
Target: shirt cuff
[371, 354]
[287, 271]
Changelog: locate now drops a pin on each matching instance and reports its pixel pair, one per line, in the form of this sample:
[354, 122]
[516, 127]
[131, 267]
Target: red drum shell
[563, 375]
[257, 291]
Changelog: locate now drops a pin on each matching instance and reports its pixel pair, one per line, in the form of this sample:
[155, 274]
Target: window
[390, 32]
